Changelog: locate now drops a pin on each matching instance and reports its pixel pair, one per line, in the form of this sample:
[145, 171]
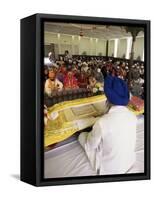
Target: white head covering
[49, 54]
[99, 70]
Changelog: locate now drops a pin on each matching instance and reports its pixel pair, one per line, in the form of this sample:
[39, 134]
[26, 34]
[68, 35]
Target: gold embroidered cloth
[68, 117]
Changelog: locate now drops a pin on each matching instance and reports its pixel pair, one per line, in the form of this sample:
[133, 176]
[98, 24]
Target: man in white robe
[52, 83]
[110, 146]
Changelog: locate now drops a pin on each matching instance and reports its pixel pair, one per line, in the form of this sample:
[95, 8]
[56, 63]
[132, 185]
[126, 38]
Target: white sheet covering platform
[70, 159]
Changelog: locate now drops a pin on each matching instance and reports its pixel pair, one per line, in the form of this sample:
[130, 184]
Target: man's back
[118, 133]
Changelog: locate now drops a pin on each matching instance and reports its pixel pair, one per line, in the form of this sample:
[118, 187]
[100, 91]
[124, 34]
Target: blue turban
[116, 90]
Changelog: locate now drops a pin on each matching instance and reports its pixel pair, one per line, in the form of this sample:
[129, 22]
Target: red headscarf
[70, 81]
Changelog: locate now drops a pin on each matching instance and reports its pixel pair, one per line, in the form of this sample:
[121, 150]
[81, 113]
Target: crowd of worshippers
[73, 73]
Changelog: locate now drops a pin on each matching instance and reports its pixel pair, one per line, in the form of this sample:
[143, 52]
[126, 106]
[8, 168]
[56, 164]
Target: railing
[65, 95]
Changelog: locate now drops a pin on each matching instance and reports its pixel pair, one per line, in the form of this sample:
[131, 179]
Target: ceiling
[88, 30]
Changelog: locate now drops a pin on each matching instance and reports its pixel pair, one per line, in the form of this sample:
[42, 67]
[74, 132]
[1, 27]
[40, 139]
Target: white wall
[111, 47]
[76, 44]
[139, 47]
[93, 46]
[85, 45]
[122, 47]
[101, 47]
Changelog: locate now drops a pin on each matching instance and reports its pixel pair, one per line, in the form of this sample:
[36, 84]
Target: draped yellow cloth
[68, 117]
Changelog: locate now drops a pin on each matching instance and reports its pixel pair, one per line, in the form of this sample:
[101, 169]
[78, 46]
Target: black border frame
[32, 148]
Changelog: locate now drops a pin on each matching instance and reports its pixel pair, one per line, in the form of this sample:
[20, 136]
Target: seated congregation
[82, 76]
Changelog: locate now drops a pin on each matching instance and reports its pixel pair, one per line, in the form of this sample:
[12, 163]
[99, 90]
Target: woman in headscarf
[83, 80]
[70, 82]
